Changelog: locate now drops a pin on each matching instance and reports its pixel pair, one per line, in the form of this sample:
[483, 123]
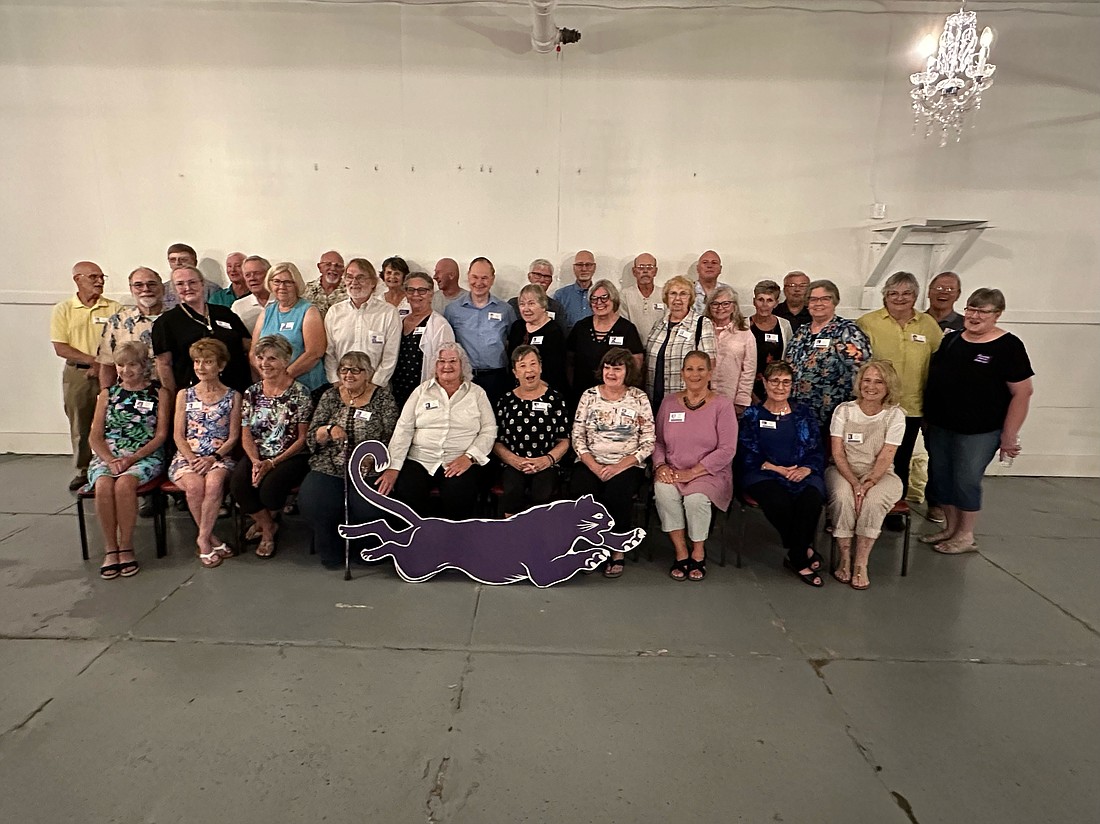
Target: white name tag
[982, 359]
[919, 338]
[194, 406]
[822, 343]
[616, 340]
[540, 406]
[418, 330]
[552, 315]
[363, 414]
[536, 340]
[495, 316]
[628, 413]
[853, 437]
[144, 406]
[431, 405]
[766, 424]
[675, 417]
[376, 338]
[224, 324]
[683, 333]
[771, 337]
[659, 306]
[99, 320]
[403, 312]
[286, 326]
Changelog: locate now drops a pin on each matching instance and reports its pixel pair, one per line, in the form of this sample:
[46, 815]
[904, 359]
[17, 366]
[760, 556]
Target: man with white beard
[131, 323]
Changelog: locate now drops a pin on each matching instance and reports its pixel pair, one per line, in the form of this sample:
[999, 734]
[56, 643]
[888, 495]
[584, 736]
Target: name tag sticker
[919, 338]
[766, 424]
[982, 359]
[224, 324]
[771, 337]
[675, 417]
[363, 414]
[659, 306]
[418, 330]
[144, 406]
[194, 406]
[552, 315]
[683, 333]
[616, 340]
[431, 405]
[628, 413]
[540, 406]
[822, 343]
[403, 312]
[99, 320]
[376, 338]
[853, 437]
[536, 340]
[496, 316]
[286, 326]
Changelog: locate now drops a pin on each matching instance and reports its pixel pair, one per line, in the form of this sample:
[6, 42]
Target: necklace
[202, 319]
[694, 406]
[786, 410]
[352, 398]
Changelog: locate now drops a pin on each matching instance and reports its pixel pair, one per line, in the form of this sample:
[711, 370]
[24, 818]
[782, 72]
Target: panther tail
[381, 455]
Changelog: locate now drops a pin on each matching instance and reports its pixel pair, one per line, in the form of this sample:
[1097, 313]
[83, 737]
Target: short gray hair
[360, 360]
[535, 291]
[276, 343]
[257, 259]
[541, 262]
[901, 279]
[457, 348]
[612, 292]
[827, 285]
[987, 297]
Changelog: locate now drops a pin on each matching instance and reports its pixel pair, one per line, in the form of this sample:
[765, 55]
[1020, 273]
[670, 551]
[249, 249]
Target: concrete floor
[277, 692]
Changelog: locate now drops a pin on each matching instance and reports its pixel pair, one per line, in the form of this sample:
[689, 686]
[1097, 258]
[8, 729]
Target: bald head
[89, 279]
[445, 275]
[709, 267]
[331, 267]
[584, 268]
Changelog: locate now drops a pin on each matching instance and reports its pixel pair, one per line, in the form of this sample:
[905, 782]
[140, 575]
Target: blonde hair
[290, 269]
[889, 376]
[210, 348]
[678, 280]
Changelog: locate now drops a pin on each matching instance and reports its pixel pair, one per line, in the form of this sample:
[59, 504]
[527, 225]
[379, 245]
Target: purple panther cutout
[527, 546]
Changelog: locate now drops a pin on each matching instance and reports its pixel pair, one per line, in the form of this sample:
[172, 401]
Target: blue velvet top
[795, 440]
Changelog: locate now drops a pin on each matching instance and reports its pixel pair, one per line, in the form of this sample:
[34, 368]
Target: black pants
[617, 494]
[793, 514]
[273, 489]
[495, 382]
[457, 496]
[516, 484]
[321, 500]
[904, 456]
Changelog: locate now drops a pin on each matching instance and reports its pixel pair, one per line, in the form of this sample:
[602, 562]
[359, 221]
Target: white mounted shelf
[923, 232]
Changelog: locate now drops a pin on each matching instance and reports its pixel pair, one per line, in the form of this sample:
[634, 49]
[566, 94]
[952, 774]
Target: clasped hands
[794, 474]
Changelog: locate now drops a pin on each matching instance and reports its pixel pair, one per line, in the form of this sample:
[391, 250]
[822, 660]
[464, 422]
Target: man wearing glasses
[181, 255]
[794, 308]
[76, 327]
[943, 291]
[574, 297]
[541, 273]
[360, 324]
[708, 268]
[329, 288]
[641, 303]
[131, 323]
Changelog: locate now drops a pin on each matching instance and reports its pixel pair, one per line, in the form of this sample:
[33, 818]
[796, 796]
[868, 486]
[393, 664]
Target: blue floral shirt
[825, 364]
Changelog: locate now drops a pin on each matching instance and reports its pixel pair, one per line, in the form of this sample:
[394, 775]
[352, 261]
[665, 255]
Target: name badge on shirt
[431, 405]
[99, 320]
[363, 414]
[766, 424]
[823, 343]
[853, 437]
[918, 338]
[376, 338]
[683, 333]
[144, 406]
[675, 417]
[224, 324]
[659, 306]
[616, 340]
[536, 340]
[418, 330]
[552, 315]
[982, 359]
[628, 413]
[403, 312]
[540, 406]
[286, 326]
[771, 337]
[194, 406]
[496, 316]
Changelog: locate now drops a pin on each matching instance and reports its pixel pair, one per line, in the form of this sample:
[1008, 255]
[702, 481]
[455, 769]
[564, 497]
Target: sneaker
[78, 481]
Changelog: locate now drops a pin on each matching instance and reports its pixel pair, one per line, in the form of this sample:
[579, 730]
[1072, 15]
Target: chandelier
[954, 77]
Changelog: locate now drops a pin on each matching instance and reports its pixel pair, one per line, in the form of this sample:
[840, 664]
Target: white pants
[674, 508]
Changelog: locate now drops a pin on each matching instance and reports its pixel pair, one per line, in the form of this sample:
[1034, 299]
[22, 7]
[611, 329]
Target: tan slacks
[880, 499]
[79, 393]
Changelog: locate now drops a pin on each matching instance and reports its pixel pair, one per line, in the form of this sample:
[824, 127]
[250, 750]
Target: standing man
[709, 268]
[180, 255]
[574, 297]
[76, 325]
[236, 288]
[251, 306]
[943, 291]
[329, 287]
[794, 308]
[131, 323]
[541, 273]
[481, 322]
[446, 278]
[641, 303]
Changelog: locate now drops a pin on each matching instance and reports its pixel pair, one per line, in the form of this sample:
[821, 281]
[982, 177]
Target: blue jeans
[956, 464]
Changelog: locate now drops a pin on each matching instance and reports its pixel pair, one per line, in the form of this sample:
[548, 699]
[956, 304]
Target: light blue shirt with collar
[482, 331]
[701, 295]
[574, 301]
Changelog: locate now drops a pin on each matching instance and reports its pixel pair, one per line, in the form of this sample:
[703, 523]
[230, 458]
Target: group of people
[271, 382]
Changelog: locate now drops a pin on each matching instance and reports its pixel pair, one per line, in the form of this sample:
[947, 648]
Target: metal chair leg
[83, 528]
[160, 525]
[905, 545]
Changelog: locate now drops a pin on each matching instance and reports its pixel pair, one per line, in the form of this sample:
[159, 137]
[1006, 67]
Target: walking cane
[347, 470]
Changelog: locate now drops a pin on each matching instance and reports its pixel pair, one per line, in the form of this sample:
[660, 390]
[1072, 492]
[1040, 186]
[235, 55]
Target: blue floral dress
[131, 423]
[207, 431]
[274, 422]
[825, 365]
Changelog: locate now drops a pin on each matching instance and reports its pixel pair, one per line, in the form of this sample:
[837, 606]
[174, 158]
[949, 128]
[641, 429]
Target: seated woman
[779, 463]
[863, 486]
[535, 328]
[532, 432]
[692, 459]
[444, 435]
[127, 436]
[354, 411]
[207, 428]
[613, 435]
[274, 418]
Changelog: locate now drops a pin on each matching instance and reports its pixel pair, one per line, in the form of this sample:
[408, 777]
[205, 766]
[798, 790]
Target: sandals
[614, 568]
[682, 567]
[128, 569]
[266, 549]
[934, 538]
[109, 572]
[223, 550]
[955, 547]
[843, 571]
[697, 566]
[210, 559]
[859, 577]
[811, 578]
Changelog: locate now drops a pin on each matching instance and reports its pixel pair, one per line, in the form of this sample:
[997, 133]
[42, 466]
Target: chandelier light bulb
[927, 46]
[987, 37]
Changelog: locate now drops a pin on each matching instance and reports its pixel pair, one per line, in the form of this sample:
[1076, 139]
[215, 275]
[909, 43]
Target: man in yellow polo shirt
[76, 326]
[900, 334]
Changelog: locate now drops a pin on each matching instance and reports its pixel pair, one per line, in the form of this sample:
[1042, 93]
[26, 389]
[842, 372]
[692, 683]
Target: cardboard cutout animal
[545, 544]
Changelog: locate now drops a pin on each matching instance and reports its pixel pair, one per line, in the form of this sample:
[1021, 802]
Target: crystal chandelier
[956, 74]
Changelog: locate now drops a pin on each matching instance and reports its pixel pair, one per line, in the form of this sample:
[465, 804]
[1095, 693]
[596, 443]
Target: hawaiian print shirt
[825, 364]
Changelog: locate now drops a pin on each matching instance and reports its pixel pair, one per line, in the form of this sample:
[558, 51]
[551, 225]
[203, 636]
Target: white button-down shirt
[248, 309]
[435, 428]
[373, 328]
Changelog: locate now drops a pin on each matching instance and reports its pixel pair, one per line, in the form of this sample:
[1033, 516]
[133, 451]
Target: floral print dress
[131, 422]
[207, 431]
[825, 365]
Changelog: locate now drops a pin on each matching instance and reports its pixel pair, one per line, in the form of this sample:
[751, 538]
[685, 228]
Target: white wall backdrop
[286, 129]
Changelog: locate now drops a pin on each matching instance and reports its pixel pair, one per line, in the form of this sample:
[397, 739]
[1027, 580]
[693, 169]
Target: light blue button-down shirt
[574, 301]
[483, 332]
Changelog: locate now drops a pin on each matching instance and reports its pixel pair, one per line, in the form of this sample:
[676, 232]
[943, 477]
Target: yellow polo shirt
[81, 326]
[909, 347]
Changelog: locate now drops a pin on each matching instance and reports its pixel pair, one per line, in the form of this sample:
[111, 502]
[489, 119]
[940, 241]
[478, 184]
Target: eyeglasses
[350, 370]
[645, 267]
[95, 277]
[974, 310]
[722, 304]
[600, 299]
[278, 283]
[417, 290]
[820, 299]
[356, 278]
[780, 382]
[584, 265]
[899, 295]
[144, 284]
[947, 289]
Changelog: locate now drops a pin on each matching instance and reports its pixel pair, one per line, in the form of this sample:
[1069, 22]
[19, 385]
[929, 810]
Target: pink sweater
[736, 367]
[706, 436]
